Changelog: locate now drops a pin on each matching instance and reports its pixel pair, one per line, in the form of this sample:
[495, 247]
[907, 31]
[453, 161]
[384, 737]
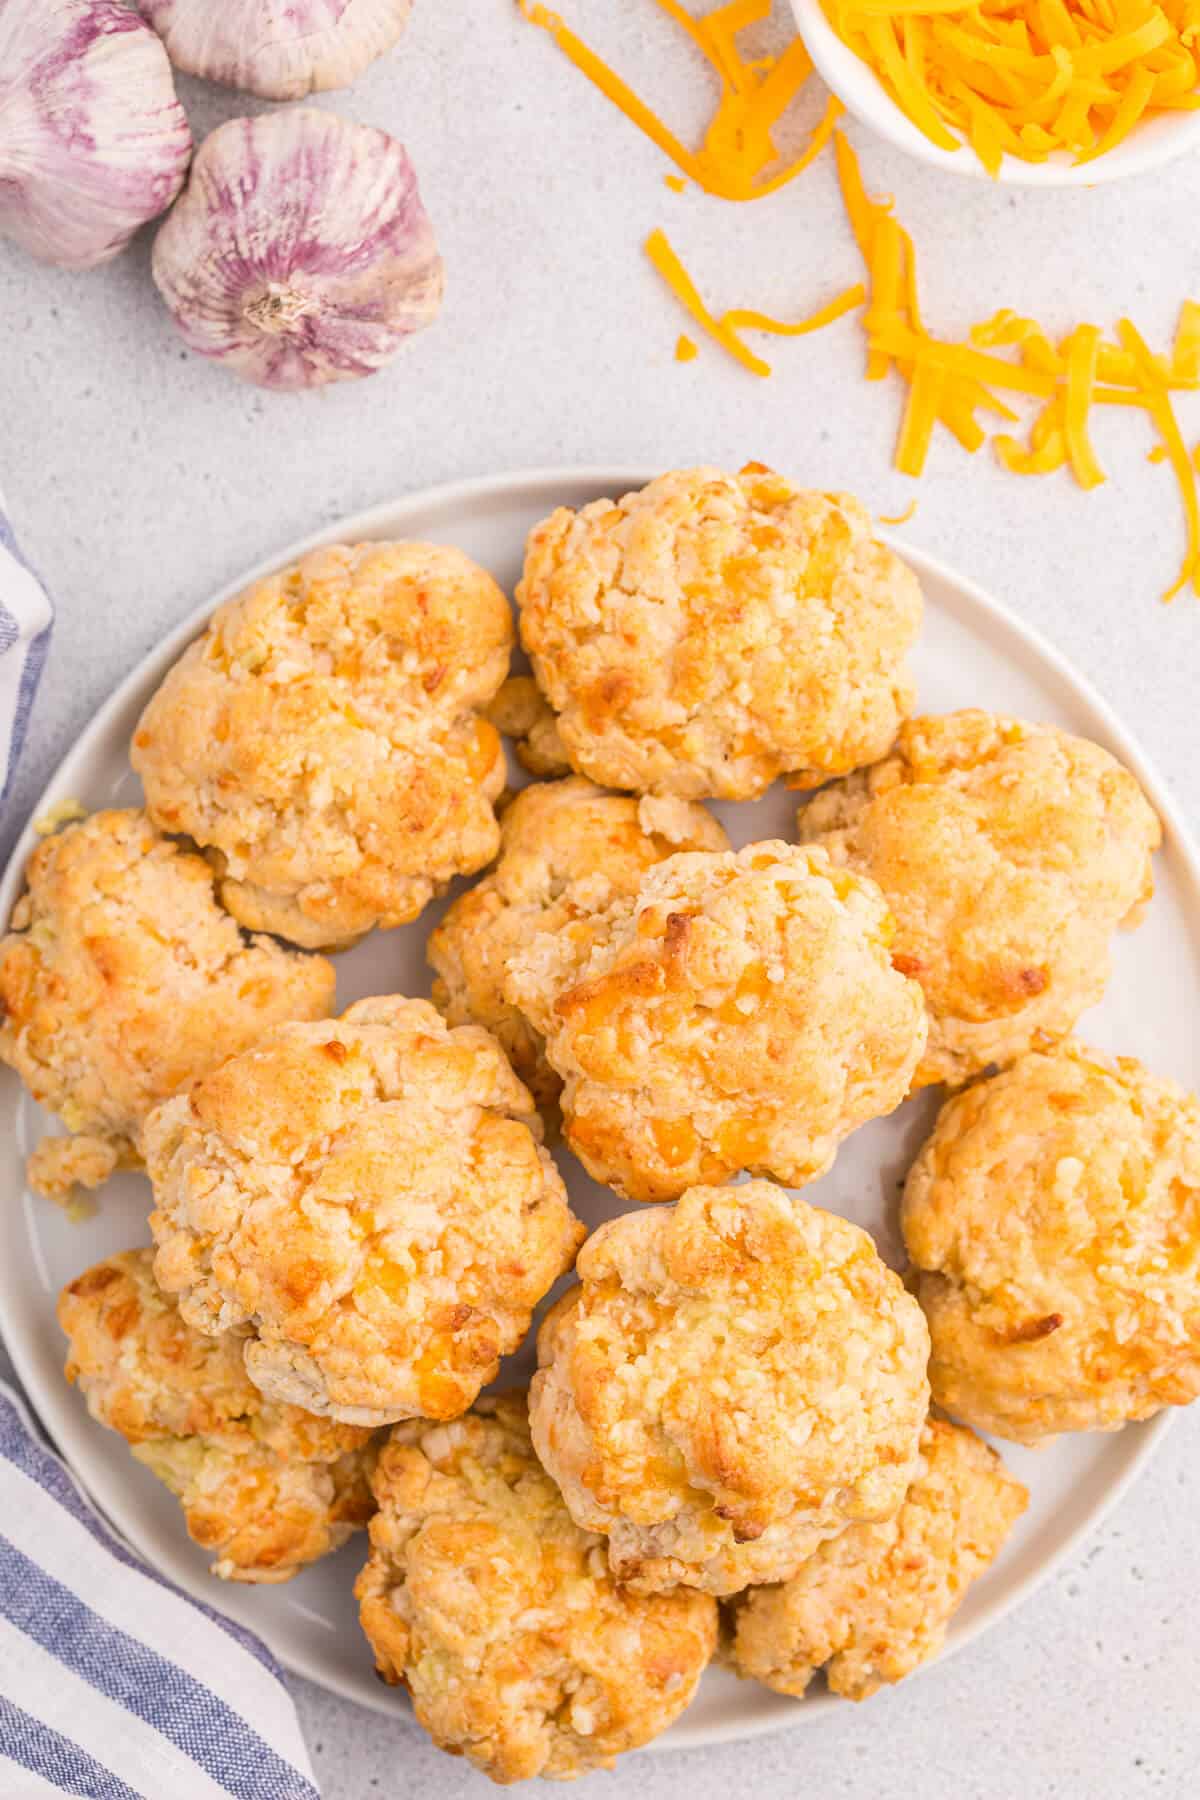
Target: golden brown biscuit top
[325, 737]
[712, 631]
[556, 834]
[872, 1604]
[147, 1374]
[568, 849]
[1054, 1215]
[264, 1488]
[122, 979]
[500, 1615]
[372, 1198]
[262, 1513]
[741, 1351]
[1008, 853]
[740, 1012]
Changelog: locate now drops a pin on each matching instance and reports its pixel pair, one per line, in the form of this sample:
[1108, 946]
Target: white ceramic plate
[971, 653]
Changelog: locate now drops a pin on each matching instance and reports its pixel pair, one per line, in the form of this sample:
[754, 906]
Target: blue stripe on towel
[146, 1684]
[31, 675]
[13, 729]
[197, 1730]
[20, 1449]
[9, 543]
[27, 1741]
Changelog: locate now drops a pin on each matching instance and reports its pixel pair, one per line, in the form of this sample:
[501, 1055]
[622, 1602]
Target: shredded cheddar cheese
[726, 329]
[746, 319]
[738, 159]
[900, 518]
[1187, 343]
[1083, 350]
[1026, 78]
[1022, 76]
[952, 383]
[1157, 400]
[659, 250]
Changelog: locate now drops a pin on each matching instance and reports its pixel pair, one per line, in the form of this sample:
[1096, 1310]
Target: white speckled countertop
[141, 479]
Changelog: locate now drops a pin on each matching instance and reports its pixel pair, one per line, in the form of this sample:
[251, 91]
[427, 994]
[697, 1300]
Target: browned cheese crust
[1053, 1220]
[122, 981]
[500, 1615]
[324, 738]
[873, 1604]
[735, 1379]
[1009, 854]
[712, 632]
[265, 1489]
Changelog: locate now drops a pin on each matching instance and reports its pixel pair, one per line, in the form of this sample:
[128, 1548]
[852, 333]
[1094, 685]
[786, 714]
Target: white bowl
[1154, 142]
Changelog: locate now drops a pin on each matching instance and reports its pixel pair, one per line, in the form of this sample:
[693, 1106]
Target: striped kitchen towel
[113, 1684]
[26, 616]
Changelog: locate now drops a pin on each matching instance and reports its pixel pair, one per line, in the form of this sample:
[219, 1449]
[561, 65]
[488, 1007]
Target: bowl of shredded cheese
[1035, 93]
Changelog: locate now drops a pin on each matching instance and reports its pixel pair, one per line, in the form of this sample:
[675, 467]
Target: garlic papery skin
[300, 252]
[278, 49]
[93, 141]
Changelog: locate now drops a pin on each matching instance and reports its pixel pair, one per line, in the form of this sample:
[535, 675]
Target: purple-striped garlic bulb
[93, 141]
[280, 49]
[300, 252]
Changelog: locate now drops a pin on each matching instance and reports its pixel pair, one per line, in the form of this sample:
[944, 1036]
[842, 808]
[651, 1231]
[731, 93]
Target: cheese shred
[738, 159]
[1157, 400]
[662, 255]
[901, 518]
[951, 383]
[1082, 355]
[726, 330]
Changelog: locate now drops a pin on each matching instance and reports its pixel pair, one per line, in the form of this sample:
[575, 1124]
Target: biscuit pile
[728, 1447]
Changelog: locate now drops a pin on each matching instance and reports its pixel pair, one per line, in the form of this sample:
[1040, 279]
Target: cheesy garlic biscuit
[500, 1616]
[1008, 854]
[122, 981]
[712, 632]
[735, 1379]
[265, 1489]
[873, 1604]
[740, 1011]
[325, 740]
[370, 1202]
[1053, 1221]
[568, 849]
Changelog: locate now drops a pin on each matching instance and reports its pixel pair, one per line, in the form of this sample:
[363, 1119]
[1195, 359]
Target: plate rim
[49, 1405]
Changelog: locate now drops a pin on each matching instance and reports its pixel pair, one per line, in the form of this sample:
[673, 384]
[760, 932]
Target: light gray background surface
[141, 479]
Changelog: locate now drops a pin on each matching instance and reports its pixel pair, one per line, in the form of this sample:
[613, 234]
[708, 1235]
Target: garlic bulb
[93, 141]
[300, 252]
[280, 49]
